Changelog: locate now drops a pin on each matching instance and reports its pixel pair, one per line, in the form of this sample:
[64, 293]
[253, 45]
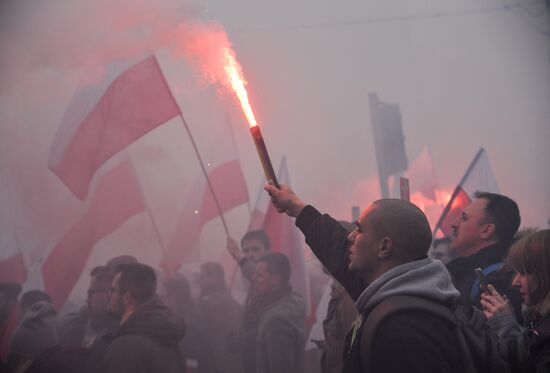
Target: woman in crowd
[526, 348]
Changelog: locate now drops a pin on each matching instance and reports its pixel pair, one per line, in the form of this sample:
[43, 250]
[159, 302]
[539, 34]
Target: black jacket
[537, 359]
[147, 342]
[462, 273]
[415, 342]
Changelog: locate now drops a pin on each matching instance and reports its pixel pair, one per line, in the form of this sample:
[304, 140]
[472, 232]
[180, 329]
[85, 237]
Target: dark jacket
[147, 342]
[339, 320]
[81, 329]
[71, 328]
[271, 336]
[412, 342]
[281, 335]
[537, 339]
[34, 335]
[462, 273]
[221, 316]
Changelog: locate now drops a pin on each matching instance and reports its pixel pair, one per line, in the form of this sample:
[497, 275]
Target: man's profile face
[468, 229]
[98, 296]
[116, 306]
[253, 249]
[263, 281]
[364, 245]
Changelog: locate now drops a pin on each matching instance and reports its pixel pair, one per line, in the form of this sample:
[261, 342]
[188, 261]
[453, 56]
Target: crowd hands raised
[392, 308]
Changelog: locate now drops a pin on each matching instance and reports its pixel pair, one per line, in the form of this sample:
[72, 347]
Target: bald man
[385, 256]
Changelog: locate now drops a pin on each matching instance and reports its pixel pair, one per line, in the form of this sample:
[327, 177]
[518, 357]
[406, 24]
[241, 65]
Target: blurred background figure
[9, 316]
[176, 294]
[221, 315]
[35, 334]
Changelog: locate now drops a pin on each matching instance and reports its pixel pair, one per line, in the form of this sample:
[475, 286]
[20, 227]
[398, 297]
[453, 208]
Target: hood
[36, 332]
[153, 319]
[426, 278]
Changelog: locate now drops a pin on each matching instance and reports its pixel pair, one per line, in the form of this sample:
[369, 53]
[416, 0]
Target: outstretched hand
[494, 304]
[233, 248]
[285, 200]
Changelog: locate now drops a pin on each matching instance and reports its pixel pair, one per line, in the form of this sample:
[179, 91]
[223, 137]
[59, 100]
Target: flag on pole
[102, 119]
[284, 236]
[220, 158]
[12, 261]
[478, 177]
[13, 269]
[422, 175]
[116, 199]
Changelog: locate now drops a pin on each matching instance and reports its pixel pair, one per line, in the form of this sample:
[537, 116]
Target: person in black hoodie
[147, 338]
[387, 258]
[481, 238]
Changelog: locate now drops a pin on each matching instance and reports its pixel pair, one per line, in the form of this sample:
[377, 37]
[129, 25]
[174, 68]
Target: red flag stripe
[116, 199]
[136, 102]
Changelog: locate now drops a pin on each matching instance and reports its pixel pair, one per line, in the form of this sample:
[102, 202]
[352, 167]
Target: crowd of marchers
[392, 308]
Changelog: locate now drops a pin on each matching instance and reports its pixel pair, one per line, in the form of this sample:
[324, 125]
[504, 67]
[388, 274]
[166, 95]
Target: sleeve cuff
[306, 218]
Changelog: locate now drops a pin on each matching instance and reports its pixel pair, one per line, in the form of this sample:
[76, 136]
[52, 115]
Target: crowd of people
[392, 308]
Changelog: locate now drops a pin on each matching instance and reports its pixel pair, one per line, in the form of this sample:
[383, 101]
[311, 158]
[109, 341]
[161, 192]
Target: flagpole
[199, 158]
[153, 221]
[457, 189]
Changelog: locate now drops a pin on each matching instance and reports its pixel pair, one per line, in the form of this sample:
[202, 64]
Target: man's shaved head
[405, 224]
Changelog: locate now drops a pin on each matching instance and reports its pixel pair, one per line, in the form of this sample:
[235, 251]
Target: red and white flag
[13, 269]
[478, 177]
[225, 175]
[117, 198]
[104, 118]
[284, 235]
[12, 261]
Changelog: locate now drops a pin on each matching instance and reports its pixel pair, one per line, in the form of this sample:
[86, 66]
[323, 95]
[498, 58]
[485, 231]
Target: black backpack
[478, 345]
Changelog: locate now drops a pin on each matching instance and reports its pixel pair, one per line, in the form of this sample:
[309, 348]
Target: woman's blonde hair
[531, 255]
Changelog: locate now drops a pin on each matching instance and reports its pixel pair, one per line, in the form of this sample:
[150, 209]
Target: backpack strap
[393, 305]
[475, 292]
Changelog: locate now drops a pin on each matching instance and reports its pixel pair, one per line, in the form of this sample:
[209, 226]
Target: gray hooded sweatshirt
[426, 278]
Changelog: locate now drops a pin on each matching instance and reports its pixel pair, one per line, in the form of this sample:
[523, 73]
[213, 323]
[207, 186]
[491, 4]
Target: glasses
[113, 290]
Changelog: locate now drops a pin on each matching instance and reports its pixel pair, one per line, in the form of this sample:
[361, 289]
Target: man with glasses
[92, 321]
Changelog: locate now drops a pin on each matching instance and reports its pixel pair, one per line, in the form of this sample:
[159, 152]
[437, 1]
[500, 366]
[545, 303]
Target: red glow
[235, 76]
[442, 197]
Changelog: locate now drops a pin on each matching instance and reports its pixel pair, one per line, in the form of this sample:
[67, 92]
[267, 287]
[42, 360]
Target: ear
[385, 248]
[487, 231]
[127, 299]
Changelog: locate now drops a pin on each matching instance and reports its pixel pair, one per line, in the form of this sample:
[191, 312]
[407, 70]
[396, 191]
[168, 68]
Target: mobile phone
[482, 280]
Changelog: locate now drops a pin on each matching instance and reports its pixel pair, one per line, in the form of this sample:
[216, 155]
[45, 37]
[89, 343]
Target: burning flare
[235, 75]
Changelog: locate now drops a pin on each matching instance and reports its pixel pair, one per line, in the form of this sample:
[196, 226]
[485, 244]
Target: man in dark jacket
[389, 253]
[147, 338]
[221, 316]
[481, 238]
[87, 325]
[280, 313]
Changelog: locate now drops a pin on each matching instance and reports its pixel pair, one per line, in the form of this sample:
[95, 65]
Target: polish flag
[220, 158]
[478, 177]
[102, 119]
[285, 237]
[13, 269]
[117, 198]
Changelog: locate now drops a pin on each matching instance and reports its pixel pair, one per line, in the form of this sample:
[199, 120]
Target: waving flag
[104, 118]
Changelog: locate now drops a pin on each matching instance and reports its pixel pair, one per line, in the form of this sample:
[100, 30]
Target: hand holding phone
[482, 280]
